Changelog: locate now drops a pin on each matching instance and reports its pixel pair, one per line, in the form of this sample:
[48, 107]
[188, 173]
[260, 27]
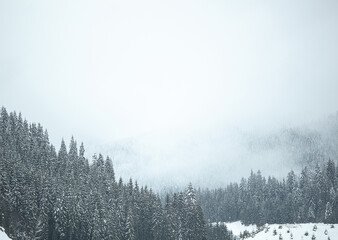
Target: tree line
[45, 194]
[310, 196]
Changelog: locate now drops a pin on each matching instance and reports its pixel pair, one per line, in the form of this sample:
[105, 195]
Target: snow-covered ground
[238, 227]
[3, 235]
[304, 231]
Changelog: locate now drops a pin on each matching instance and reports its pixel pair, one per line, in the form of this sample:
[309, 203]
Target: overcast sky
[106, 71]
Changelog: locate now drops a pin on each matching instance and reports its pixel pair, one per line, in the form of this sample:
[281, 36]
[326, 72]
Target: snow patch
[3, 235]
[238, 227]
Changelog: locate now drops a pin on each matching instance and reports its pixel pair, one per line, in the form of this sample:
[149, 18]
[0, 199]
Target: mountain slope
[305, 231]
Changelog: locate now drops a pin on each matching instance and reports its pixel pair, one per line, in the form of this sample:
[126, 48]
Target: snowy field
[3, 235]
[304, 231]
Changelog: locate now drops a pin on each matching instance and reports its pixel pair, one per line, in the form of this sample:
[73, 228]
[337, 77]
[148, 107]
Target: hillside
[301, 145]
[304, 231]
[59, 195]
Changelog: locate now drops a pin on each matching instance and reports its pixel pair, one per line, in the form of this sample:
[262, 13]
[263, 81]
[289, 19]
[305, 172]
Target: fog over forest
[178, 91]
[216, 157]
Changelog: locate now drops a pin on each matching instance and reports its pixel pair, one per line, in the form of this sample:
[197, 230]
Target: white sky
[106, 71]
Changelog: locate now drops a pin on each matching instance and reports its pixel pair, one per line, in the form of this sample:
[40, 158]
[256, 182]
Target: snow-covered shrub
[274, 233]
[245, 234]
